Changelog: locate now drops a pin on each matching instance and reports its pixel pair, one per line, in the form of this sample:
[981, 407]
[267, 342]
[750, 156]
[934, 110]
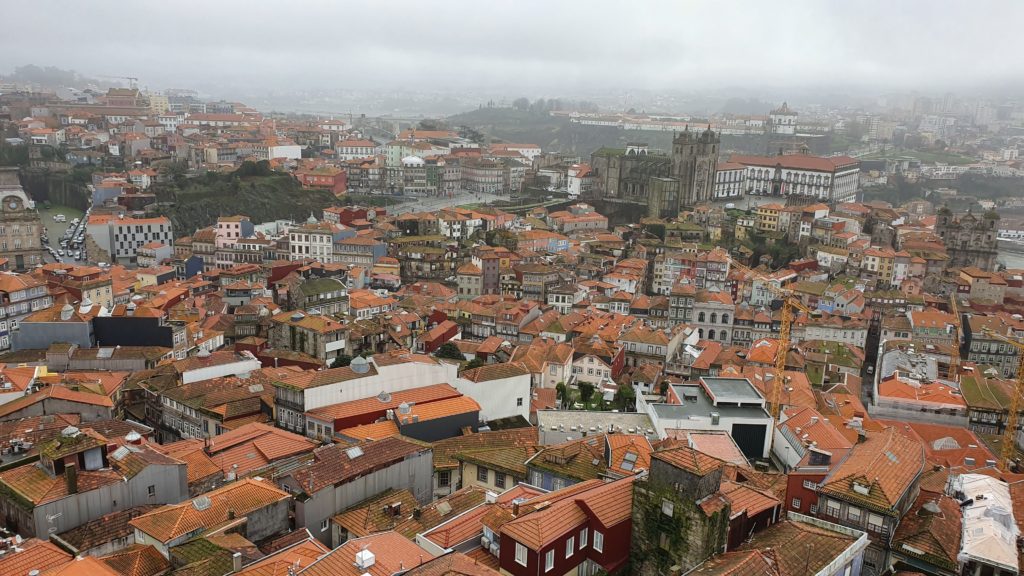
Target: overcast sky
[548, 45]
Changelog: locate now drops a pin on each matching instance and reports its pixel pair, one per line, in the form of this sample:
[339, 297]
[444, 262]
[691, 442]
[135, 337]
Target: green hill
[257, 193]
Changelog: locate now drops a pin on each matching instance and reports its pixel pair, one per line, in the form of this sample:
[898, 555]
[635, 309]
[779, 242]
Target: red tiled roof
[239, 498]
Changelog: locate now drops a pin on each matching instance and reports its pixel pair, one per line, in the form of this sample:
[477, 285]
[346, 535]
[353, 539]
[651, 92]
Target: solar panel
[104, 352]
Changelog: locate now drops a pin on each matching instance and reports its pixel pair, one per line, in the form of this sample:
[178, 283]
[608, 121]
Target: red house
[438, 335]
[585, 527]
[346, 215]
[324, 178]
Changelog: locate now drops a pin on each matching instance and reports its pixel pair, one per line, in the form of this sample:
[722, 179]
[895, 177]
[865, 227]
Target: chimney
[71, 477]
[515, 509]
[236, 561]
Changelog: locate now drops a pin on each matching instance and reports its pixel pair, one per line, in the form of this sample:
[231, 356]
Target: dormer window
[862, 489]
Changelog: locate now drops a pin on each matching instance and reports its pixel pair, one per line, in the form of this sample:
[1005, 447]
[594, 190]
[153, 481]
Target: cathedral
[663, 184]
[969, 240]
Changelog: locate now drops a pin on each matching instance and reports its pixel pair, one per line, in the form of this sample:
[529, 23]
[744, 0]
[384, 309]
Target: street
[55, 230]
[429, 204]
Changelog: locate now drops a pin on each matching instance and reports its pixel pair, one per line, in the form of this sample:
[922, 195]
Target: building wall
[170, 484]
[503, 398]
[413, 473]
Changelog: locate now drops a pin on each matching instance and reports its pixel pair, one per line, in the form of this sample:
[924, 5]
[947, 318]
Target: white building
[315, 240]
[730, 180]
[121, 237]
[783, 120]
[353, 149]
[833, 179]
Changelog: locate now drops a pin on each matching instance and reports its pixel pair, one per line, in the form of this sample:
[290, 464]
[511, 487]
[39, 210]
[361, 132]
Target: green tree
[450, 351]
[625, 398]
[586, 392]
[521, 104]
[341, 361]
[560, 392]
[474, 363]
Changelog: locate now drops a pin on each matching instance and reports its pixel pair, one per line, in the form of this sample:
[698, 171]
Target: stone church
[969, 240]
[661, 184]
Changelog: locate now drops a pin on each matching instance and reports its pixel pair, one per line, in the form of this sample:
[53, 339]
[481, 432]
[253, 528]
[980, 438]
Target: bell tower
[694, 161]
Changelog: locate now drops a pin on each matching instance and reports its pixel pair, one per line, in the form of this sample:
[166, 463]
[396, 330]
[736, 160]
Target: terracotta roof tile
[392, 553]
[35, 555]
[239, 498]
[333, 465]
[138, 560]
[887, 463]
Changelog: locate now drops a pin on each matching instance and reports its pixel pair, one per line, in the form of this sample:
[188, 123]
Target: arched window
[714, 317]
[725, 318]
[711, 334]
[700, 317]
[700, 333]
[725, 334]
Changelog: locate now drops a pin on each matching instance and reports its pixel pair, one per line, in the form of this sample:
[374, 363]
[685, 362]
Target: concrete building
[20, 226]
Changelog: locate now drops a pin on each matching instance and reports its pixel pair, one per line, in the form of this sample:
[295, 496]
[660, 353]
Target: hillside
[559, 135]
[196, 203]
[552, 133]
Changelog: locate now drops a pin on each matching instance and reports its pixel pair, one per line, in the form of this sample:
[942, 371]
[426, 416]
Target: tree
[560, 392]
[625, 397]
[521, 104]
[586, 392]
[450, 351]
[341, 361]
[474, 363]
[431, 124]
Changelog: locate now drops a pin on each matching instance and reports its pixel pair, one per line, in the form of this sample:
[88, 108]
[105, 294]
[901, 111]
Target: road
[429, 204]
[55, 230]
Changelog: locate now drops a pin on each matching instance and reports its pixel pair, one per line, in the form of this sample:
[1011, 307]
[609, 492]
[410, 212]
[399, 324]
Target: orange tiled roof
[35, 555]
[548, 517]
[240, 498]
[283, 562]
[391, 550]
[886, 463]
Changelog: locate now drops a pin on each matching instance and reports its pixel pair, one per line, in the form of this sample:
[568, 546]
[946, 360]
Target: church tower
[694, 161]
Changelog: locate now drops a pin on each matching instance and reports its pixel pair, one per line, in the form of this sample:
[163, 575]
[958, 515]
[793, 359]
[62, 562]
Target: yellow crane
[1009, 444]
[954, 356]
[789, 303]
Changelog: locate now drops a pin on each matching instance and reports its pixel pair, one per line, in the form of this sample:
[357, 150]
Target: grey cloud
[547, 46]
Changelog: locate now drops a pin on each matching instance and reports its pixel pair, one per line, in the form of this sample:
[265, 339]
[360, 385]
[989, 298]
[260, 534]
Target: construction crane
[133, 82]
[789, 303]
[1009, 444]
[954, 356]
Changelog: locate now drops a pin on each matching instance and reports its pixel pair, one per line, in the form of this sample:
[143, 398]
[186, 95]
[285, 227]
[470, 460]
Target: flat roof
[732, 390]
[557, 426]
[700, 406]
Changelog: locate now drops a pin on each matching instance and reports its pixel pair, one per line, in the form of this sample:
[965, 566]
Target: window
[853, 514]
[520, 554]
[481, 474]
[324, 524]
[519, 401]
[151, 490]
[499, 479]
[444, 478]
[832, 508]
[667, 507]
[583, 539]
[570, 546]
[875, 523]
[598, 541]
[810, 485]
[549, 560]
[796, 503]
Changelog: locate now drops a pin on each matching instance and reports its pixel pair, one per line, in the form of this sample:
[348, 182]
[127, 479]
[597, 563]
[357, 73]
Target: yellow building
[767, 216]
